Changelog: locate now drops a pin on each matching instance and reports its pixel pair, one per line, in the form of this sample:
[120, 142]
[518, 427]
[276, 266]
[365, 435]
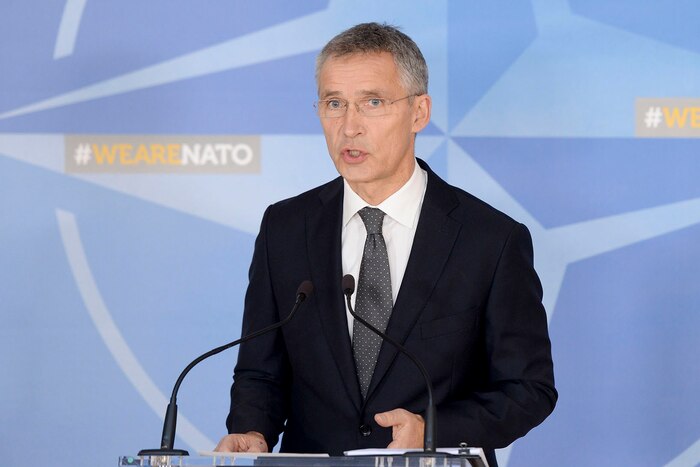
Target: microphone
[168, 439]
[429, 435]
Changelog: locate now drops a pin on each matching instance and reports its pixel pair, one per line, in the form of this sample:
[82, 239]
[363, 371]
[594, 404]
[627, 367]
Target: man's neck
[374, 193]
[374, 196]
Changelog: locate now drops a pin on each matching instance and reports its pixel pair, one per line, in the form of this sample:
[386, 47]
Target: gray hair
[376, 38]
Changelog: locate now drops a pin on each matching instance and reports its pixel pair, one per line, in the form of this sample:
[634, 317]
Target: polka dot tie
[373, 301]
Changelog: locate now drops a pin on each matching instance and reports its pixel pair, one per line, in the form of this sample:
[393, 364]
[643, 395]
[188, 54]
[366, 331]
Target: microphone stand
[169, 424]
[429, 435]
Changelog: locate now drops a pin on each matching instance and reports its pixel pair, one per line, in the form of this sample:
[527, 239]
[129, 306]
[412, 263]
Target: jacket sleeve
[518, 391]
[261, 376]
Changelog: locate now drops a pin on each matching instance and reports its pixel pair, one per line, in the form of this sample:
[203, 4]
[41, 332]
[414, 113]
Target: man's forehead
[365, 74]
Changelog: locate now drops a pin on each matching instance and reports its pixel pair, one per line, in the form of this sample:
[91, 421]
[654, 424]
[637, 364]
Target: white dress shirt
[402, 210]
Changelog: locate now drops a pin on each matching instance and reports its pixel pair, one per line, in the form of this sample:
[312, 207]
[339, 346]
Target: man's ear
[421, 116]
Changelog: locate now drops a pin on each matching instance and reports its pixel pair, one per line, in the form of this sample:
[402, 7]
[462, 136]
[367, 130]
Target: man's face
[374, 154]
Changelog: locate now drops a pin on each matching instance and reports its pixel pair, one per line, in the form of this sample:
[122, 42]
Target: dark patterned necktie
[374, 301]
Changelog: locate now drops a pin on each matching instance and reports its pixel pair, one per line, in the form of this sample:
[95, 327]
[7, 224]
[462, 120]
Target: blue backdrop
[111, 282]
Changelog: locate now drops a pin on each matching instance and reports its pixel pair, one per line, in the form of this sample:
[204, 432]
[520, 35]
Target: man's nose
[353, 121]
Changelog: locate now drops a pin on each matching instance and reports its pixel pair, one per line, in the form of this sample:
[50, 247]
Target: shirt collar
[402, 206]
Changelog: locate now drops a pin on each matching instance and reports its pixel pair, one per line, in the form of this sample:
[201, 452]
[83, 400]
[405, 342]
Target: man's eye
[375, 102]
[334, 104]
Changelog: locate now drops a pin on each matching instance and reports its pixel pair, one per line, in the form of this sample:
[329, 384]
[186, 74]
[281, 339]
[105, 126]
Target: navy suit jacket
[469, 307]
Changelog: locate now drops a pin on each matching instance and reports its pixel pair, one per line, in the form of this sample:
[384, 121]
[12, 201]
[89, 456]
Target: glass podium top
[474, 457]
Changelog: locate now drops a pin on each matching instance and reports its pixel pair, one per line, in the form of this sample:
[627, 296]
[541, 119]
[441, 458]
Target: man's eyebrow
[328, 94]
[364, 93]
[371, 92]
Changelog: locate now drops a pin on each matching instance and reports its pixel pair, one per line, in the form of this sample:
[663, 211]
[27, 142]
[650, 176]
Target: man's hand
[406, 428]
[242, 442]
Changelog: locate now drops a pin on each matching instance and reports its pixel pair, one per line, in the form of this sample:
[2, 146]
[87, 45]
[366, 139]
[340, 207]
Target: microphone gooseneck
[429, 435]
[169, 424]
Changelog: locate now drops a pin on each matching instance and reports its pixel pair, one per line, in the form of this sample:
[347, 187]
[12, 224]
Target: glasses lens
[331, 108]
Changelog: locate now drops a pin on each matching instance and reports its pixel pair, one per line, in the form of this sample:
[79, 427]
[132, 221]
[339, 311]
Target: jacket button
[365, 430]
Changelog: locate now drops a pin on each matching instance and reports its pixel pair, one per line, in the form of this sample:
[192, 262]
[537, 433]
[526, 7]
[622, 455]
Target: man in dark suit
[446, 275]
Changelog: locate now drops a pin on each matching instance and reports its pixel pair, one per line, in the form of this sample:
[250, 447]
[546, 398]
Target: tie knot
[373, 218]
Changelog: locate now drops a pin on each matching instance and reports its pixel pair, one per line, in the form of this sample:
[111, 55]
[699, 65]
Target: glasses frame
[317, 105]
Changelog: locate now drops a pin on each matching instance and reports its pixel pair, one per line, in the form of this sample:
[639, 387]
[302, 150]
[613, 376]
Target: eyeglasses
[369, 107]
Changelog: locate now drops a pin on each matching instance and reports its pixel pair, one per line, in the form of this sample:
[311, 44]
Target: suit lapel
[323, 236]
[432, 244]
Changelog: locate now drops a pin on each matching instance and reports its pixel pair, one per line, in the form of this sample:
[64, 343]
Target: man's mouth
[353, 155]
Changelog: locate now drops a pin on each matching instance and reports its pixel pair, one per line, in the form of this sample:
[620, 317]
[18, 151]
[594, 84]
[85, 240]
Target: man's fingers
[227, 444]
[392, 417]
[406, 428]
[396, 445]
[256, 442]
[242, 442]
